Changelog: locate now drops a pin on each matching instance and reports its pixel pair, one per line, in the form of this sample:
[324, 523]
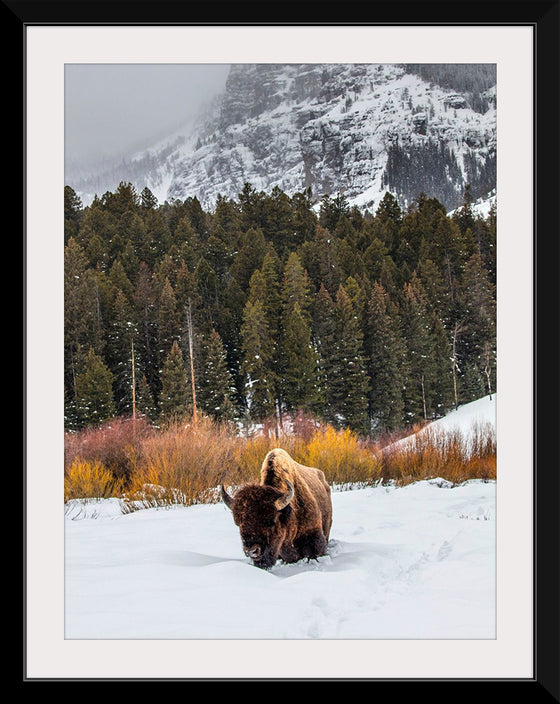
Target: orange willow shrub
[185, 462]
[89, 480]
[181, 463]
[341, 455]
[115, 444]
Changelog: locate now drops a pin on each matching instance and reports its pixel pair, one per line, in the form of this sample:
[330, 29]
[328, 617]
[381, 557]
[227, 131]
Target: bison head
[262, 514]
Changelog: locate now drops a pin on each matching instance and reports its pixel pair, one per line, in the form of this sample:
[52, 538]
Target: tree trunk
[190, 335]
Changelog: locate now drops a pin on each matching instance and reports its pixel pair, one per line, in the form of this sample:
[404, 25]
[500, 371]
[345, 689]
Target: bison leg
[312, 544]
[289, 554]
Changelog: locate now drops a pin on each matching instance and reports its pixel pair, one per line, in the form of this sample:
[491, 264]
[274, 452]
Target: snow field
[410, 562]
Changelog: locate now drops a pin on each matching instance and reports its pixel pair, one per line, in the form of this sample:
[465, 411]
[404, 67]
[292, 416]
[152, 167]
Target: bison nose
[254, 552]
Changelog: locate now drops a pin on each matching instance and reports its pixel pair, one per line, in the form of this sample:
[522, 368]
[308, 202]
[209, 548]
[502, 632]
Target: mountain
[357, 129]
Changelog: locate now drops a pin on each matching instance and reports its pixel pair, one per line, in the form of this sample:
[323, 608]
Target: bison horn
[285, 499]
[226, 498]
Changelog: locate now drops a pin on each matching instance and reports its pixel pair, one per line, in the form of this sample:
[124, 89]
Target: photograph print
[280, 375]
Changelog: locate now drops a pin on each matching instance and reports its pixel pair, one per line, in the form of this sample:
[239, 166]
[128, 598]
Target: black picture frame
[544, 18]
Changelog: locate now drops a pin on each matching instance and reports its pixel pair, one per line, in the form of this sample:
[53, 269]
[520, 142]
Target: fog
[113, 109]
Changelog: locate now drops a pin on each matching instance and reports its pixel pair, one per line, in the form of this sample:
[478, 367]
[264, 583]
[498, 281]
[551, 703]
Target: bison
[287, 516]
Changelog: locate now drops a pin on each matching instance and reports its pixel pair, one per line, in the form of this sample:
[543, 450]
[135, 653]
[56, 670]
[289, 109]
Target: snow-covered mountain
[357, 129]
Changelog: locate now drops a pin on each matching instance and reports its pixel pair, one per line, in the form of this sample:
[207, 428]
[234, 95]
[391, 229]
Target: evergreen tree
[325, 341]
[420, 353]
[175, 398]
[442, 387]
[157, 236]
[216, 391]
[299, 384]
[94, 391]
[479, 339]
[168, 320]
[249, 257]
[83, 325]
[226, 223]
[349, 383]
[148, 201]
[332, 208]
[384, 347]
[319, 258]
[145, 404]
[304, 221]
[124, 199]
[131, 230]
[259, 376]
[278, 224]
[72, 213]
[146, 305]
[271, 295]
[188, 245]
[120, 338]
[296, 286]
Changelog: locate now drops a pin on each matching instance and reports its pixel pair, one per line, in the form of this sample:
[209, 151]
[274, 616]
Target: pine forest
[271, 306]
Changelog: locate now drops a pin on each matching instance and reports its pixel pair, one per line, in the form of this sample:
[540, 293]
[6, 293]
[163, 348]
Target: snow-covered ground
[416, 562]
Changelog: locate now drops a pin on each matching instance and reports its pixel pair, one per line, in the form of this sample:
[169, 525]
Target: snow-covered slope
[410, 562]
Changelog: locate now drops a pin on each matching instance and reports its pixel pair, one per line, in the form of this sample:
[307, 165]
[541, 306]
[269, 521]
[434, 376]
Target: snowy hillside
[411, 562]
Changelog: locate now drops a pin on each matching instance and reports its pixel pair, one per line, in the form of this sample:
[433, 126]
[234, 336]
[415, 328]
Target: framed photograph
[440, 587]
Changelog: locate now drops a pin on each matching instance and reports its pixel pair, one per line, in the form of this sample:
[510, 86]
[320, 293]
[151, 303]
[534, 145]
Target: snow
[467, 421]
[413, 562]
[465, 417]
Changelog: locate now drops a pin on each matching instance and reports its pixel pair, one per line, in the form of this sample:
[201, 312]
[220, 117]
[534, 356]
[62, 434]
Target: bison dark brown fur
[287, 516]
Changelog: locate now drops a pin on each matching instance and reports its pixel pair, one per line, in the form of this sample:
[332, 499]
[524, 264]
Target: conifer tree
[259, 376]
[175, 397]
[72, 213]
[83, 325]
[349, 383]
[304, 222]
[168, 319]
[148, 201]
[226, 222]
[145, 404]
[270, 271]
[157, 236]
[332, 208]
[319, 258]
[250, 256]
[296, 286]
[277, 216]
[131, 229]
[216, 393]
[325, 341]
[125, 198]
[299, 382]
[479, 338]
[442, 388]
[384, 347]
[187, 243]
[145, 306]
[94, 391]
[420, 353]
[121, 335]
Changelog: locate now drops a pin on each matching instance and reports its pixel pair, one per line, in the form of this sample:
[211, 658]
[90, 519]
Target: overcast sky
[112, 108]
